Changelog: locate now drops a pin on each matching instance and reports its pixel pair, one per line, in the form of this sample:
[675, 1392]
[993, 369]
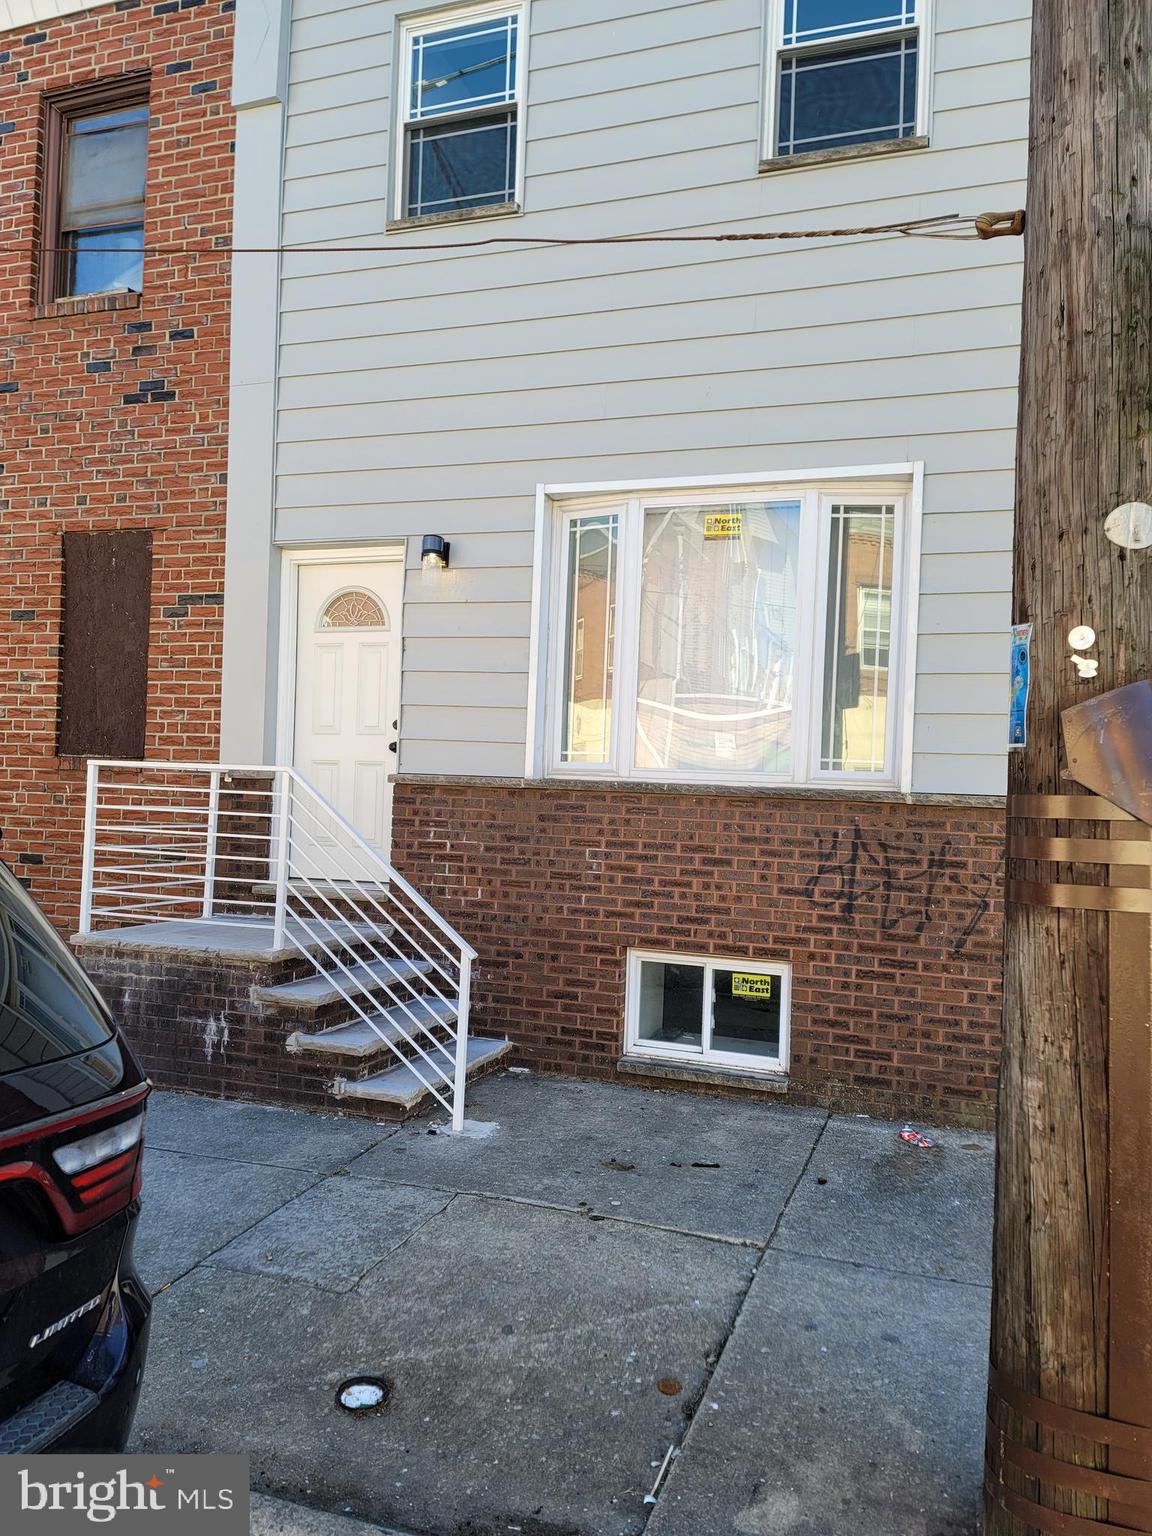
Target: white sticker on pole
[1130, 526]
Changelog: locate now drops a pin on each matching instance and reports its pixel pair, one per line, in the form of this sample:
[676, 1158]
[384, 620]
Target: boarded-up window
[104, 650]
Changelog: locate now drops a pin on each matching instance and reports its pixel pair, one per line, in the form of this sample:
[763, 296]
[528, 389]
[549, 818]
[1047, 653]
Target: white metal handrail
[258, 845]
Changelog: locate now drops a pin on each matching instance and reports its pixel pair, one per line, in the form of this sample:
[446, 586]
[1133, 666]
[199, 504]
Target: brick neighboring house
[113, 404]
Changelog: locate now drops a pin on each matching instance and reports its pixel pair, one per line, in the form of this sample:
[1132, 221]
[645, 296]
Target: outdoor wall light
[434, 552]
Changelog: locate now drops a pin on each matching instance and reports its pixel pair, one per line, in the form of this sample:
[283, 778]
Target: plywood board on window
[104, 643]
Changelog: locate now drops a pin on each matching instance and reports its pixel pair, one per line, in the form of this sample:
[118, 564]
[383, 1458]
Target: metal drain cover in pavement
[363, 1394]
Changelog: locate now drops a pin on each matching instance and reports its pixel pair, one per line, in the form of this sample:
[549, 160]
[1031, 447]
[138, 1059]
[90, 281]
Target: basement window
[96, 152]
[729, 1013]
[461, 95]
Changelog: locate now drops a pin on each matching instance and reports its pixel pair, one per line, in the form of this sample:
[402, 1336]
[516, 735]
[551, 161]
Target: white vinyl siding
[433, 392]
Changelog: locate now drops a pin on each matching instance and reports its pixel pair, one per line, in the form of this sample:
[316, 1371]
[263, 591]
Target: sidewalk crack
[737, 1312]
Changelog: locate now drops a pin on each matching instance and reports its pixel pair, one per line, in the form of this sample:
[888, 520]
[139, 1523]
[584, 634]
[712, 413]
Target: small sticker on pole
[1021, 685]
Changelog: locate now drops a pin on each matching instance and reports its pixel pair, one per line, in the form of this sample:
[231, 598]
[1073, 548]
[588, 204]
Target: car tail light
[104, 1164]
[86, 1162]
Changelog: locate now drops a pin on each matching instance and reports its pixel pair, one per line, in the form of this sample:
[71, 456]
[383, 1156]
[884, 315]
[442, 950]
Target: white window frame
[704, 1055]
[901, 485]
[441, 20]
[922, 26]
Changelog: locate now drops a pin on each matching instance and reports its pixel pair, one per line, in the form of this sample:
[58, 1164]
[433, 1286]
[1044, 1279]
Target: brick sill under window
[707, 1076]
[456, 216]
[841, 792]
[87, 304]
[879, 150]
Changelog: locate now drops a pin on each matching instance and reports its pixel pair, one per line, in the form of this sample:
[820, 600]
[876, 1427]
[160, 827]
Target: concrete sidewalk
[796, 1302]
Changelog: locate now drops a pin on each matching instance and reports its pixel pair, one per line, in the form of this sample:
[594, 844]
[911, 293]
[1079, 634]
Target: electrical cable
[947, 226]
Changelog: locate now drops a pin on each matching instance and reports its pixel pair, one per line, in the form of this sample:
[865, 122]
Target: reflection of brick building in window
[592, 655]
[591, 660]
[717, 639]
[858, 623]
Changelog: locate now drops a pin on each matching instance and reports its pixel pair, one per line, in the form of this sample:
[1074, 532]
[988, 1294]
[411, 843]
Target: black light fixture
[434, 552]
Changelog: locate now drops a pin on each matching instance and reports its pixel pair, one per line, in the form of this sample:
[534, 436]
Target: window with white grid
[460, 110]
[845, 74]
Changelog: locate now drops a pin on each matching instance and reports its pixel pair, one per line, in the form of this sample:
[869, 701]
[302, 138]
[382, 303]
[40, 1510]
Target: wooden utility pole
[1070, 1402]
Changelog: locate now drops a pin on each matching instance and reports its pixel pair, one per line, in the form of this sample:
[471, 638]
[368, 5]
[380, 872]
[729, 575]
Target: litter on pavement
[914, 1138]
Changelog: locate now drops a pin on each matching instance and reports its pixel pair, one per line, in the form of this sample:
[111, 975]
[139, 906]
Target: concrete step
[231, 937]
[315, 992]
[357, 1040]
[399, 1089]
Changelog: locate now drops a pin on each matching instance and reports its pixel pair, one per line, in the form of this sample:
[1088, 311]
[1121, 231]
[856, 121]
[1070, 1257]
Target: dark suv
[73, 1313]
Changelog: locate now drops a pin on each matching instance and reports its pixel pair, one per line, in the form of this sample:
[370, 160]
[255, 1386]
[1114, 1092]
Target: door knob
[393, 746]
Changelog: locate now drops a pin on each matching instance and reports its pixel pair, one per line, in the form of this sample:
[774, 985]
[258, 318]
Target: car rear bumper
[89, 1416]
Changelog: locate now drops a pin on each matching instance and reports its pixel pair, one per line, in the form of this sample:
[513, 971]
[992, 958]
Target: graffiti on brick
[903, 888]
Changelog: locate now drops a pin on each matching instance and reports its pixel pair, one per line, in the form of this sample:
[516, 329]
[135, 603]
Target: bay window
[845, 74]
[718, 637]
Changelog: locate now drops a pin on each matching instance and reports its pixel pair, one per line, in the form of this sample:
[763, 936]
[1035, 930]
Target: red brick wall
[90, 439]
[888, 913]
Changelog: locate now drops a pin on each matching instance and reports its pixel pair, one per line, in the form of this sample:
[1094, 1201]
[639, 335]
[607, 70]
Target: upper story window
[730, 637]
[461, 103]
[845, 73]
[95, 167]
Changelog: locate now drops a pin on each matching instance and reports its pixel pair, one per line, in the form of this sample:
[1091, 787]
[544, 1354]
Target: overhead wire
[947, 226]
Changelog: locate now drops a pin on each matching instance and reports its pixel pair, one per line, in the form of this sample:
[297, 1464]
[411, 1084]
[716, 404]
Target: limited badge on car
[62, 1322]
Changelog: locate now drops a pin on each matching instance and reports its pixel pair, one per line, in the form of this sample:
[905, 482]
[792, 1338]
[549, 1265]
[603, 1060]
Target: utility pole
[1070, 1401]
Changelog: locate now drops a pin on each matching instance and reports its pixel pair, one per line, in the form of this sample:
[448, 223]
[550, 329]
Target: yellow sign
[751, 986]
[723, 525]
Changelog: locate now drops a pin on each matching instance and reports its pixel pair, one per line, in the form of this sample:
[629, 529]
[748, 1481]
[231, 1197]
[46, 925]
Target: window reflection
[718, 637]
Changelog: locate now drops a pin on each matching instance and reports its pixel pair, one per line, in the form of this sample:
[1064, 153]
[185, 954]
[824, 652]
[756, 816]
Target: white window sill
[879, 150]
[455, 216]
[836, 784]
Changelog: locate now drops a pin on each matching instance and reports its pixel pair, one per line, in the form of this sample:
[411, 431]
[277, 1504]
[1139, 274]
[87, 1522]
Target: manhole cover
[363, 1394]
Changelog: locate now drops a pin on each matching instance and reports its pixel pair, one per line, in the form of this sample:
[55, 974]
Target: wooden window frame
[60, 108]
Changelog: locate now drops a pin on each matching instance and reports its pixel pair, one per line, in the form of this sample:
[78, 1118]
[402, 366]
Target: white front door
[348, 688]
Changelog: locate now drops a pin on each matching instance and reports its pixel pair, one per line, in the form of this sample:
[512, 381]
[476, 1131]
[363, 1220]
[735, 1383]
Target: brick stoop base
[888, 912]
[197, 1025]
